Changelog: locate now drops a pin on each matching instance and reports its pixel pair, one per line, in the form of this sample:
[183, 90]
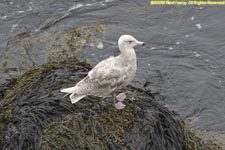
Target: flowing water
[184, 56]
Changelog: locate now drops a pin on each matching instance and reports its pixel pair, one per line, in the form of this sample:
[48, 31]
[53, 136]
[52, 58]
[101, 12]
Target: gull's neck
[128, 56]
[128, 53]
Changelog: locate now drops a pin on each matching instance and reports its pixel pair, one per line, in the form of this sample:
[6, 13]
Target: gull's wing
[106, 74]
[104, 69]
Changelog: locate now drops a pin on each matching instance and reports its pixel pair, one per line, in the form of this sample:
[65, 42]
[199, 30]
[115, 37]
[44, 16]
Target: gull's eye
[130, 42]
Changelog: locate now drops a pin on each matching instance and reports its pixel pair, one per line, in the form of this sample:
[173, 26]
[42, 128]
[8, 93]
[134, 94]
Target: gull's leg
[121, 97]
[118, 105]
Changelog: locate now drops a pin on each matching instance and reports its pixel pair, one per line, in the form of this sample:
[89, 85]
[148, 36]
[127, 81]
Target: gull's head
[128, 42]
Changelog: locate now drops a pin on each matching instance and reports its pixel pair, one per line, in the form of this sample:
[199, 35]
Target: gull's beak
[140, 43]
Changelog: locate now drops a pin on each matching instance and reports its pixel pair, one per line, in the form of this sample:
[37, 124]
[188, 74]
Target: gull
[109, 75]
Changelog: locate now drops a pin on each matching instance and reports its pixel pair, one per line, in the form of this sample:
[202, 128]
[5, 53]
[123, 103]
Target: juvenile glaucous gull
[109, 75]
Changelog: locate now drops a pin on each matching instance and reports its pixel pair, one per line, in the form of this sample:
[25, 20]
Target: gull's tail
[68, 90]
[73, 97]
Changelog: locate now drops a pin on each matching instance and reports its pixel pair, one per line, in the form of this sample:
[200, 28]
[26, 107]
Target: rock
[34, 115]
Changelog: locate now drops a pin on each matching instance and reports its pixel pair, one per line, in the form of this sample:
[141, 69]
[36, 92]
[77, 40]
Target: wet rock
[34, 115]
[24, 52]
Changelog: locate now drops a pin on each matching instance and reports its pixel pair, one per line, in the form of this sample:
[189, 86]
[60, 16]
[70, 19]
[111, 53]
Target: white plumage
[110, 74]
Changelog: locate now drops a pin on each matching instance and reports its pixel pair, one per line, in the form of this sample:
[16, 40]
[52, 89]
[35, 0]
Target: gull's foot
[121, 97]
[119, 105]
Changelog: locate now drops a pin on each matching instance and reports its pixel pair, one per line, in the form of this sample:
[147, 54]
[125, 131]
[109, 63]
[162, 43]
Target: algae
[24, 82]
[54, 123]
[100, 126]
[61, 49]
[34, 114]
[195, 143]
[25, 52]
[77, 131]
[31, 103]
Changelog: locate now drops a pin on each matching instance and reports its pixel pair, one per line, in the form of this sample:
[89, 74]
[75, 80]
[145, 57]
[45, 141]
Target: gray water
[183, 59]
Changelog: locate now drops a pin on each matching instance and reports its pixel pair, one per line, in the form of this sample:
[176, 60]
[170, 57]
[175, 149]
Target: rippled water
[183, 59]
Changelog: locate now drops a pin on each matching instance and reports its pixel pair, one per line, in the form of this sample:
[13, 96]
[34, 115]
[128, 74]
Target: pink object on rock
[121, 97]
[120, 105]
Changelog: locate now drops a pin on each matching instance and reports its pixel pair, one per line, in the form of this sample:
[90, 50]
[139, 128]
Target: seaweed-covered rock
[24, 52]
[34, 115]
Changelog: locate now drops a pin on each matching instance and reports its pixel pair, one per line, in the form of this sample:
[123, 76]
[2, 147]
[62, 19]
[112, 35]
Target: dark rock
[34, 115]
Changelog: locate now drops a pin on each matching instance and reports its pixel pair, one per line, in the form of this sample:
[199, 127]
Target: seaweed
[77, 131]
[194, 142]
[28, 52]
[35, 115]
[52, 122]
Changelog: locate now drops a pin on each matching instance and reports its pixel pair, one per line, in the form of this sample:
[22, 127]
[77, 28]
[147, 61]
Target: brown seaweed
[34, 114]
